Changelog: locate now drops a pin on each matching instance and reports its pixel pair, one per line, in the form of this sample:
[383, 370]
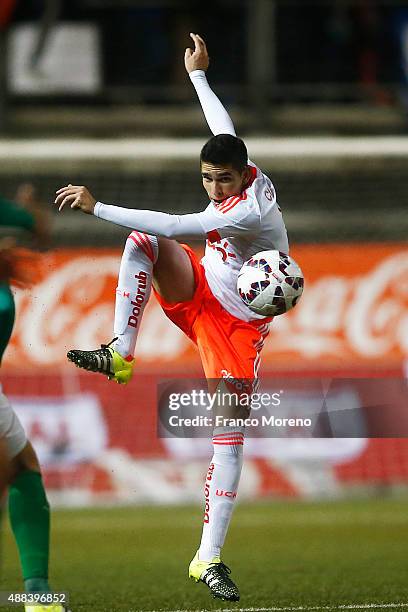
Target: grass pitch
[321, 556]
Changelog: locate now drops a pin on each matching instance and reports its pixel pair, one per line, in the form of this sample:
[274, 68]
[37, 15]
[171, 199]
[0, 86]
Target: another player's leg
[146, 260]
[30, 519]
[28, 506]
[29, 514]
[220, 489]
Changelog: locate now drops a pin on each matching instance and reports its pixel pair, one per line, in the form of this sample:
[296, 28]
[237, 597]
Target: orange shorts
[229, 348]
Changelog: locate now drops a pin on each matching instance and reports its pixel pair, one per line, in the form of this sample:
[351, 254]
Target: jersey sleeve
[233, 217]
[12, 215]
[214, 111]
[178, 227]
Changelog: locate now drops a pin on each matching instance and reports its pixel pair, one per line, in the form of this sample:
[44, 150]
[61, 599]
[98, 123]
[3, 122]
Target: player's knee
[138, 242]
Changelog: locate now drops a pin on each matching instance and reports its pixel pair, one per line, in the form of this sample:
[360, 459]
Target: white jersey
[235, 228]
[255, 224]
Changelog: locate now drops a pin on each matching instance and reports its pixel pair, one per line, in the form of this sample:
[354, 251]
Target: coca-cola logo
[67, 309]
[377, 320]
[73, 307]
[365, 315]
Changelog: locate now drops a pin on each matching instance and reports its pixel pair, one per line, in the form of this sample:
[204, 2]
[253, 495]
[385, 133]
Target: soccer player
[28, 507]
[200, 297]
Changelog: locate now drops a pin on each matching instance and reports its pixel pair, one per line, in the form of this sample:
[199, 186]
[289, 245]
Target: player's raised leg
[146, 259]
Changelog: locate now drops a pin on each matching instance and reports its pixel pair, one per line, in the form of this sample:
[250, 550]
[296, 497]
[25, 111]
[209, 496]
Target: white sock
[133, 290]
[220, 489]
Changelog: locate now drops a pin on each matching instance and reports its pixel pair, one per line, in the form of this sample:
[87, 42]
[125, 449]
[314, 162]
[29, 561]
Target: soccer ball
[270, 283]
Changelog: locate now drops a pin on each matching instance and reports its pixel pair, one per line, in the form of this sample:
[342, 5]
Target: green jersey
[11, 215]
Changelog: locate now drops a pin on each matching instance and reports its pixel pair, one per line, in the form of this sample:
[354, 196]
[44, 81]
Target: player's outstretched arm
[196, 62]
[190, 226]
[149, 221]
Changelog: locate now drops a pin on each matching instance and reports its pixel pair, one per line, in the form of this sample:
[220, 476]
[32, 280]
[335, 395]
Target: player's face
[221, 182]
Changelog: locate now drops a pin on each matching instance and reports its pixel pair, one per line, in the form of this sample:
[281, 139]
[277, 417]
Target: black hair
[225, 149]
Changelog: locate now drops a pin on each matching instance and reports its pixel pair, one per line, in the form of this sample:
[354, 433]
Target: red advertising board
[353, 312]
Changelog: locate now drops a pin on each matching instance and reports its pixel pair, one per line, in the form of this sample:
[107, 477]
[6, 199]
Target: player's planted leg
[115, 359]
[220, 492]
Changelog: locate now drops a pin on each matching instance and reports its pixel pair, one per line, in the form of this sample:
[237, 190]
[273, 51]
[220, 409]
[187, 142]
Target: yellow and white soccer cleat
[106, 361]
[215, 574]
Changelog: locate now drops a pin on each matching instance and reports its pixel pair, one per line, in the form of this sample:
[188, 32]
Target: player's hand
[197, 59]
[77, 196]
